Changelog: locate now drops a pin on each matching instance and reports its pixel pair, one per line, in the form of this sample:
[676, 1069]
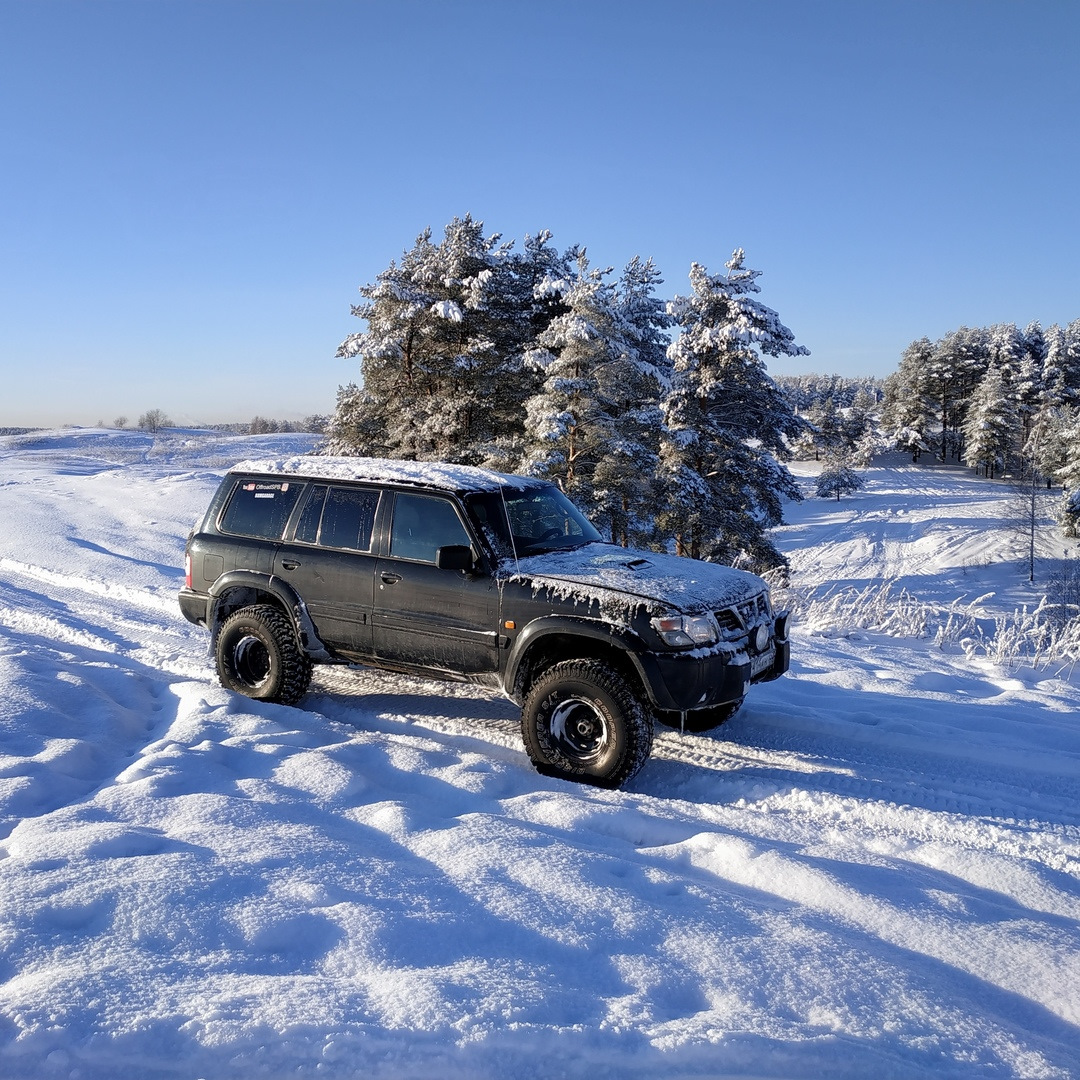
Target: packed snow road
[930, 521]
[873, 870]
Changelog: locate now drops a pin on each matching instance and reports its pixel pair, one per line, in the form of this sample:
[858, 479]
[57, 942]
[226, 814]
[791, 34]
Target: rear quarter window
[260, 508]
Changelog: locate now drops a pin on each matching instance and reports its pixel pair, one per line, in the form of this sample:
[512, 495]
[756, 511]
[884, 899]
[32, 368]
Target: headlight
[686, 631]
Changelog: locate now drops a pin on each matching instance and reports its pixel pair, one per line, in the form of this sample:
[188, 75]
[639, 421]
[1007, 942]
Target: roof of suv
[428, 474]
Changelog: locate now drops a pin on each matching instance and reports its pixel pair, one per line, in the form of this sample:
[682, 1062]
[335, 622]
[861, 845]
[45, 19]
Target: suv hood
[607, 573]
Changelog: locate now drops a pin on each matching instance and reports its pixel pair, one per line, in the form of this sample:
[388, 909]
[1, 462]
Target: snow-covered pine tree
[1006, 346]
[1061, 370]
[838, 477]
[1071, 360]
[992, 424]
[907, 414]
[625, 483]
[727, 424]
[869, 443]
[1067, 433]
[525, 298]
[1034, 343]
[441, 357]
[960, 360]
[1049, 443]
[569, 421]
[828, 427]
[859, 416]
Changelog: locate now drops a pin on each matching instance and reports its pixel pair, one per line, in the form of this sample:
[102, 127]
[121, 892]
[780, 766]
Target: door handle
[289, 564]
[389, 578]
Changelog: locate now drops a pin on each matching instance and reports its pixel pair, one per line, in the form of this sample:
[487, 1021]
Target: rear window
[260, 508]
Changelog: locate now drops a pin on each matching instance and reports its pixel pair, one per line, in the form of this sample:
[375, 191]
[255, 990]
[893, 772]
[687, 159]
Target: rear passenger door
[328, 560]
[426, 617]
[250, 524]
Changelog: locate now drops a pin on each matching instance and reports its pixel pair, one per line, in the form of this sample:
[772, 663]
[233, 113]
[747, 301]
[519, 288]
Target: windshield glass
[541, 518]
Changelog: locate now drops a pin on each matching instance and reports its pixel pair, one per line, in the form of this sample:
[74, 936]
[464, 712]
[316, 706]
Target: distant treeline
[807, 391]
[262, 425]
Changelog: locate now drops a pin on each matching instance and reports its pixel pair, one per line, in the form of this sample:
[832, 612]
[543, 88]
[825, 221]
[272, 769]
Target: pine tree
[829, 428]
[442, 355]
[991, 426]
[1068, 471]
[859, 416]
[1055, 432]
[727, 424]
[1061, 371]
[569, 421]
[908, 408]
[838, 477]
[1007, 347]
[625, 482]
[960, 360]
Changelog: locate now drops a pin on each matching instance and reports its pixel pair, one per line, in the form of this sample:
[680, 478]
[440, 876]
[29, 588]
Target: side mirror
[454, 557]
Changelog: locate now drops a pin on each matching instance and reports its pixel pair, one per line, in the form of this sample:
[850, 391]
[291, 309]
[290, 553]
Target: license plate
[762, 662]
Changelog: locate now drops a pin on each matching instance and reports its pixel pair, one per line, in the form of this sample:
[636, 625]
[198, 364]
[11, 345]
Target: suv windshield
[541, 518]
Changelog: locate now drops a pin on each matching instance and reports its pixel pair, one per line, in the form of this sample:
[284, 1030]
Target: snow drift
[873, 870]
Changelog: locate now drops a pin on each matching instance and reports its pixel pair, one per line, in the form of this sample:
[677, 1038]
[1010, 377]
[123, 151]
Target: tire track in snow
[921, 512]
[799, 792]
[157, 602]
[101, 616]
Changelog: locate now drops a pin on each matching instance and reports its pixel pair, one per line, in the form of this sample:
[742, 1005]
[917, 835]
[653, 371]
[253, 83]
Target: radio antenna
[509, 526]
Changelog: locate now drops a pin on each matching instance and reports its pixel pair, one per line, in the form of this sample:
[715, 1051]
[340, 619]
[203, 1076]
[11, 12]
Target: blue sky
[193, 191]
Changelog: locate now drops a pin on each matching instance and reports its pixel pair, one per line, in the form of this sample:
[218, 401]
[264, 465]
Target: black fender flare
[281, 590]
[621, 638]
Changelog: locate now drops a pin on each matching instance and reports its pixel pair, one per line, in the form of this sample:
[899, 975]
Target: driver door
[425, 617]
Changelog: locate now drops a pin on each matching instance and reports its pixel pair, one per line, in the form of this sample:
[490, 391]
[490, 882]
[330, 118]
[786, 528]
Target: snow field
[871, 871]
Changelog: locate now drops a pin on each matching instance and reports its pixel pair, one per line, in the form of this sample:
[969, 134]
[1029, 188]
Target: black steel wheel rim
[579, 729]
[251, 660]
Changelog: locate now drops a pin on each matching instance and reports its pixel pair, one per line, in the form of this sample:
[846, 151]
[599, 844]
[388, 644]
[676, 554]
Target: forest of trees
[1000, 399]
[535, 361]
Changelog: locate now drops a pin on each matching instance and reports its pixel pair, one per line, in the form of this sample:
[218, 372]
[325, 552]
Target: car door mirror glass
[454, 557]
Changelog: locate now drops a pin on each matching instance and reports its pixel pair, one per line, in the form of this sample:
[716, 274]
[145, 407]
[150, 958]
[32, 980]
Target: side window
[260, 508]
[423, 524]
[307, 528]
[348, 516]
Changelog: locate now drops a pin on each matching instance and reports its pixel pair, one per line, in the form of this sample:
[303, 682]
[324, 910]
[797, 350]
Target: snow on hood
[608, 574]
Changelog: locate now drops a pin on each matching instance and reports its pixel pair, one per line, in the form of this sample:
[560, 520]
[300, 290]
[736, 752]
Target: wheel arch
[245, 588]
[549, 641]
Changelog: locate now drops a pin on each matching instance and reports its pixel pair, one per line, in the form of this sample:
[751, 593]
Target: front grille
[738, 619]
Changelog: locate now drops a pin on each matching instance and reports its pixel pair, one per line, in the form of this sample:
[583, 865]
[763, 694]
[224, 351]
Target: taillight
[187, 569]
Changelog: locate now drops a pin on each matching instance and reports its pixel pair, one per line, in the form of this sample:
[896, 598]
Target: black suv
[461, 573]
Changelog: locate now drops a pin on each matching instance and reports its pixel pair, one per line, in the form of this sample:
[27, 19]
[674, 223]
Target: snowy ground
[872, 871]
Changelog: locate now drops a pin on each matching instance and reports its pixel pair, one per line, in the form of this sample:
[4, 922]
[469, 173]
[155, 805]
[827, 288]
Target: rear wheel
[581, 721]
[258, 656]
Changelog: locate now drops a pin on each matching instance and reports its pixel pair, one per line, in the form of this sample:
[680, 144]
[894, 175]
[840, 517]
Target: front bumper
[685, 681]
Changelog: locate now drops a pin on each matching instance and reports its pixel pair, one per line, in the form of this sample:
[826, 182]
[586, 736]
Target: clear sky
[193, 190]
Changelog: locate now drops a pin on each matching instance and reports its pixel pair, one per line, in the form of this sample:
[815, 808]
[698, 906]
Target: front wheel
[258, 656]
[582, 722]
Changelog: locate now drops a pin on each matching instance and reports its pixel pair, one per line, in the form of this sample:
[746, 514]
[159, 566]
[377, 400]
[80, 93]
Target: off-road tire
[258, 655]
[582, 721]
[701, 719]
